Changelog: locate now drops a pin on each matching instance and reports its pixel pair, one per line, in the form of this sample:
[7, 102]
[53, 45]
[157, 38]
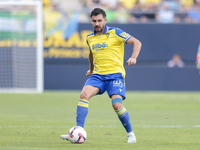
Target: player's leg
[123, 116]
[121, 112]
[94, 85]
[116, 91]
[83, 103]
[82, 108]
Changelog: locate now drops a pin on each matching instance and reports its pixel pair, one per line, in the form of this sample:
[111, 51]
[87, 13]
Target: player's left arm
[136, 50]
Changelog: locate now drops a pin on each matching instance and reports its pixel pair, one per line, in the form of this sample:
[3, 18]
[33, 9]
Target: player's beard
[99, 30]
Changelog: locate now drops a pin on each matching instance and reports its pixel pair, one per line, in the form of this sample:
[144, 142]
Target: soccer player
[198, 58]
[107, 72]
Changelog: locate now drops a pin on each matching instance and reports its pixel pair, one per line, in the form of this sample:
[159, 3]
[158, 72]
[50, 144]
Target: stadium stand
[133, 11]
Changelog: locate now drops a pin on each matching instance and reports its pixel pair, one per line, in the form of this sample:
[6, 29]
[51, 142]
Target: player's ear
[105, 20]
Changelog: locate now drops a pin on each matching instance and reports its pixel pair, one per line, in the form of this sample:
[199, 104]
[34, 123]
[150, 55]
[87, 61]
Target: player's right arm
[89, 72]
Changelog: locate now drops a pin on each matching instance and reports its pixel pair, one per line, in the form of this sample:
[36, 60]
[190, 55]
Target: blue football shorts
[112, 83]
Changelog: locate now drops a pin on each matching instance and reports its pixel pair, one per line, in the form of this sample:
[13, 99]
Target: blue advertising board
[160, 42]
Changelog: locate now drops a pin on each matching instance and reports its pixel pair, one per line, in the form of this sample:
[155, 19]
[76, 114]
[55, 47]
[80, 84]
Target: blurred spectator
[181, 15]
[110, 15]
[132, 19]
[129, 4]
[194, 14]
[121, 15]
[198, 58]
[110, 4]
[165, 15]
[187, 3]
[150, 4]
[197, 2]
[136, 14]
[46, 3]
[176, 62]
[91, 4]
[134, 11]
[173, 4]
[51, 18]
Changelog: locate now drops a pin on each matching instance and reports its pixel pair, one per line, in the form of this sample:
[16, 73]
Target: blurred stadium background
[165, 27]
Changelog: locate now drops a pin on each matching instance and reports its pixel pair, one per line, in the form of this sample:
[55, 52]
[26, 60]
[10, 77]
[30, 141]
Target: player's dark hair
[98, 11]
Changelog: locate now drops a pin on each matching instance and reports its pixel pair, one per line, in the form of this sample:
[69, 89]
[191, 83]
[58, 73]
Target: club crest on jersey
[117, 83]
[99, 46]
[125, 35]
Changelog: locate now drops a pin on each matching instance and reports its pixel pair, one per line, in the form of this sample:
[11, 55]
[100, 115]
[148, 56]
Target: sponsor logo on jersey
[125, 35]
[99, 46]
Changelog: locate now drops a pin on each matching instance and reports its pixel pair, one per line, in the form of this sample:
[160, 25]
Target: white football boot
[131, 138]
[65, 137]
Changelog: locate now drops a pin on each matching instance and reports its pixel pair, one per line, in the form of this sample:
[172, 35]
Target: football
[77, 135]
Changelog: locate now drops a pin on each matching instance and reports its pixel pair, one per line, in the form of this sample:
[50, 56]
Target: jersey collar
[105, 30]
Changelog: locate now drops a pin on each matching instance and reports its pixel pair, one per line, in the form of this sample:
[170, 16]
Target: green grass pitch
[160, 120]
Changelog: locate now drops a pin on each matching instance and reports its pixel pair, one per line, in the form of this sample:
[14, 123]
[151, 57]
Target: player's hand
[198, 64]
[89, 73]
[131, 61]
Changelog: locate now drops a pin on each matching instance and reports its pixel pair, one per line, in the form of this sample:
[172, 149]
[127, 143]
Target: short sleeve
[123, 36]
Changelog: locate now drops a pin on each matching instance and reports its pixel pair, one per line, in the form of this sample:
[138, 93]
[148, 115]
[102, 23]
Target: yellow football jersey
[108, 50]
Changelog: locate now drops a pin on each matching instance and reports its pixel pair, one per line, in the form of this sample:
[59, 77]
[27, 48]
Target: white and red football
[77, 135]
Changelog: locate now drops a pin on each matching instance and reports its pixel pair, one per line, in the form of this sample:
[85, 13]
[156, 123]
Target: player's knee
[84, 95]
[117, 103]
[117, 106]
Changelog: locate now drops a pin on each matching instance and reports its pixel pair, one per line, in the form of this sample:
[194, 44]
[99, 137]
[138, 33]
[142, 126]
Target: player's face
[98, 23]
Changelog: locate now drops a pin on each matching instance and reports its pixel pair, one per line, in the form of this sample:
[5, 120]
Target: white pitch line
[171, 126]
[166, 126]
